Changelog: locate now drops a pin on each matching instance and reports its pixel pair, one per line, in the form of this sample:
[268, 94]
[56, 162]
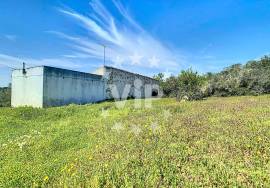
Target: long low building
[45, 86]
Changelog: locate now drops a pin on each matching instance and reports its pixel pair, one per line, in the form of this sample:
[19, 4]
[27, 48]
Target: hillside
[215, 142]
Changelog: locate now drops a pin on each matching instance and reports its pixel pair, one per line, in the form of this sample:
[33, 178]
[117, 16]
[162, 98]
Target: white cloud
[204, 50]
[15, 62]
[123, 39]
[11, 37]
[207, 57]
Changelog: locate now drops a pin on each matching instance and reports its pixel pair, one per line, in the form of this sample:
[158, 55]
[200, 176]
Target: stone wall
[123, 84]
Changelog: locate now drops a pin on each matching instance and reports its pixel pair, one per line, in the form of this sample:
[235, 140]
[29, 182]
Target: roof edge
[105, 66]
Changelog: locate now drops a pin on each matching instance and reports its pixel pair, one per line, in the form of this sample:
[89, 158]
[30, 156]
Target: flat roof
[77, 72]
[128, 72]
[63, 70]
[109, 67]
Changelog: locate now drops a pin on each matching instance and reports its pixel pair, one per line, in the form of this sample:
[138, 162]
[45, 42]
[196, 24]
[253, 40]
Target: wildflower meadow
[215, 142]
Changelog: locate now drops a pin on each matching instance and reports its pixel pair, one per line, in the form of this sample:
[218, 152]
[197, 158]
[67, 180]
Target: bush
[190, 85]
[5, 97]
[252, 78]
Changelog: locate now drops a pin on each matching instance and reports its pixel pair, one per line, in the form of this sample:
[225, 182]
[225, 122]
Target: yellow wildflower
[46, 178]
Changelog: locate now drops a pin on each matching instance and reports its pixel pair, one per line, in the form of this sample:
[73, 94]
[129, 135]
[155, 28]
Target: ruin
[45, 86]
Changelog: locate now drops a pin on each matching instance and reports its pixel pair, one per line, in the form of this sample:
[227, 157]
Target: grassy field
[216, 142]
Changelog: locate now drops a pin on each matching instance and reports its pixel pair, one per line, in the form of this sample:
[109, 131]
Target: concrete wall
[138, 86]
[62, 87]
[27, 89]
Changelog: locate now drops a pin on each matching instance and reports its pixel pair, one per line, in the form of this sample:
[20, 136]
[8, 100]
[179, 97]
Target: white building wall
[27, 89]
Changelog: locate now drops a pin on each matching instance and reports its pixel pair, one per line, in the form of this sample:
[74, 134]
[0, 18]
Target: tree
[159, 77]
[5, 96]
[190, 85]
[253, 78]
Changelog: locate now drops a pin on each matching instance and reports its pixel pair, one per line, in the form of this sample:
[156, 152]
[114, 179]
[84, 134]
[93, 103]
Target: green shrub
[5, 97]
[190, 85]
[252, 78]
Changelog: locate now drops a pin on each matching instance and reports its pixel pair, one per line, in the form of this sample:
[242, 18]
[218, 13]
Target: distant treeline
[253, 78]
[5, 96]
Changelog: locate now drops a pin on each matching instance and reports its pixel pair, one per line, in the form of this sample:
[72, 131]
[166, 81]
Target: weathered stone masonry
[138, 86]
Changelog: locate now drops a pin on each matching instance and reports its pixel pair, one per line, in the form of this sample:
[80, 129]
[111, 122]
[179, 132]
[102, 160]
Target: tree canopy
[253, 78]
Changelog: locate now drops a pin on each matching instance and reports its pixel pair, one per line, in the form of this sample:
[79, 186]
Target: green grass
[216, 142]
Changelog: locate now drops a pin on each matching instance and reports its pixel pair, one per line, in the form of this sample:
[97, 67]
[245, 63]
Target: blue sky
[141, 36]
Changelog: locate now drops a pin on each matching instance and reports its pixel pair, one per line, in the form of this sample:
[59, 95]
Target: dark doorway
[154, 93]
